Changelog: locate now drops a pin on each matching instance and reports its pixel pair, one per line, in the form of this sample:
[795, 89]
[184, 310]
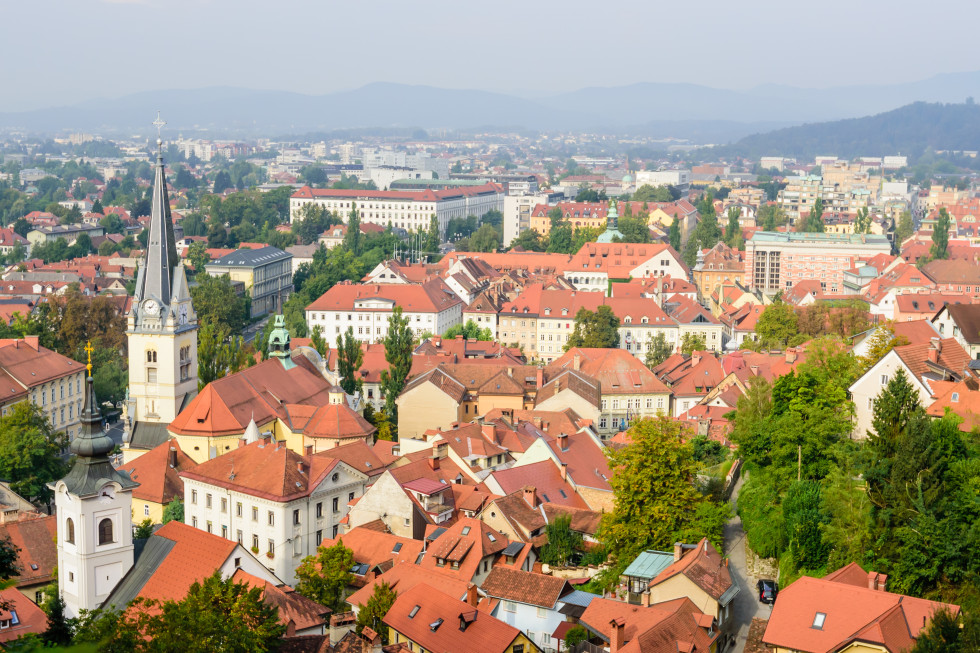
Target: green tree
[350, 357]
[59, 631]
[30, 451]
[814, 221]
[803, 520]
[575, 636]
[674, 234]
[144, 529]
[733, 230]
[217, 615]
[862, 222]
[324, 576]
[692, 342]
[398, 344]
[111, 380]
[658, 350]
[198, 255]
[222, 182]
[432, 237]
[940, 236]
[561, 239]
[486, 239]
[844, 503]
[318, 341]
[777, 325]
[215, 300]
[648, 193]
[352, 239]
[219, 353]
[313, 175]
[562, 541]
[469, 331]
[529, 240]
[653, 485]
[904, 229]
[174, 511]
[599, 328]
[373, 613]
[882, 341]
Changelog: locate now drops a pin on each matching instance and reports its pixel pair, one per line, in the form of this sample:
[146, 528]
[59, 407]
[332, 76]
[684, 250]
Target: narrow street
[747, 605]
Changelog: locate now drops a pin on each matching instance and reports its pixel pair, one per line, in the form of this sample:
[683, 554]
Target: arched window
[70, 531]
[151, 356]
[105, 531]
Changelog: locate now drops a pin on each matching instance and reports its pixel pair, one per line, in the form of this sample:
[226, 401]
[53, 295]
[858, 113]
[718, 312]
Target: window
[255, 543]
[207, 501]
[194, 522]
[105, 531]
[350, 497]
[319, 509]
[818, 620]
[295, 517]
[70, 530]
[255, 514]
[146, 510]
[238, 509]
[224, 505]
[239, 537]
[542, 613]
[272, 548]
[336, 504]
[510, 606]
[319, 537]
[272, 518]
[884, 379]
[210, 527]
[415, 611]
[334, 531]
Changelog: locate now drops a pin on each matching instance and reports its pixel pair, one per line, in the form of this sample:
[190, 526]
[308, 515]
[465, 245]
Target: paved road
[254, 329]
[747, 606]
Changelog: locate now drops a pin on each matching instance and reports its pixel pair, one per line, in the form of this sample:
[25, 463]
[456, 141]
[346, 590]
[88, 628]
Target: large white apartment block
[277, 503]
[680, 179]
[779, 260]
[402, 209]
[597, 264]
[430, 307]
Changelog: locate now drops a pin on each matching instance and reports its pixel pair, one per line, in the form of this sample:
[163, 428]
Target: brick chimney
[563, 442]
[537, 421]
[472, 598]
[882, 582]
[488, 432]
[617, 634]
[645, 599]
[564, 471]
[790, 356]
[695, 358]
[539, 377]
[434, 463]
[33, 342]
[678, 551]
[872, 580]
[577, 362]
[172, 457]
[308, 449]
[437, 340]
[531, 496]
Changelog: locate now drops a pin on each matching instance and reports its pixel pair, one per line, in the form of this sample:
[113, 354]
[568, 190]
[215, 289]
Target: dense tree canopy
[599, 328]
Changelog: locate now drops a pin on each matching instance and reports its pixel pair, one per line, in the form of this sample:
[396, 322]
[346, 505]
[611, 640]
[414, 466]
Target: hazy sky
[58, 52]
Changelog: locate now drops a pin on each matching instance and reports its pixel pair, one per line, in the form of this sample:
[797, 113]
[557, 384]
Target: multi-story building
[70, 232]
[266, 272]
[402, 209]
[271, 499]
[679, 179]
[776, 261]
[598, 264]
[430, 307]
[49, 380]
[719, 265]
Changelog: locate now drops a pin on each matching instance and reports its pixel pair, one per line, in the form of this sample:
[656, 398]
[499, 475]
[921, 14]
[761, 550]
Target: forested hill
[910, 130]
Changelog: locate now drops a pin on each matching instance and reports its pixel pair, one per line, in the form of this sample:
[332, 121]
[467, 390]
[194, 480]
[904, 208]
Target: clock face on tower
[182, 314]
[151, 307]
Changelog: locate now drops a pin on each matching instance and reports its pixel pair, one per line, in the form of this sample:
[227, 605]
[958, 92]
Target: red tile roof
[36, 538]
[295, 610]
[704, 567]
[157, 472]
[268, 470]
[525, 587]
[406, 575]
[466, 549]
[962, 399]
[31, 618]
[195, 556]
[430, 297]
[617, 370]
[545, 477]
[666, 627]
[376, 549]
[435, 625]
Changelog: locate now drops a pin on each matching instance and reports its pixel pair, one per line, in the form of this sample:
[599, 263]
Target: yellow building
[266, 272]
[157, 472]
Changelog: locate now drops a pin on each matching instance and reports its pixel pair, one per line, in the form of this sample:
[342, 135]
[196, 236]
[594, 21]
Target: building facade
[266, 272]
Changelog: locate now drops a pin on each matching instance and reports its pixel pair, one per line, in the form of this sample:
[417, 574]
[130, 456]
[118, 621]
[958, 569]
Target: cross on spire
[159, 123]
[88, 350]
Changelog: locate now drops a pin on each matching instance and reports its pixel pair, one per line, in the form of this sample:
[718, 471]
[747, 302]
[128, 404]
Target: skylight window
[955, 397]
[491, 537]
[818, 620]
[398, 547]
[415, 611]
[434, 626]
[466, 530]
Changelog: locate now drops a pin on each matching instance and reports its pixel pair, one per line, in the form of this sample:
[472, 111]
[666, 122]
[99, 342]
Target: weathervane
[159, 123]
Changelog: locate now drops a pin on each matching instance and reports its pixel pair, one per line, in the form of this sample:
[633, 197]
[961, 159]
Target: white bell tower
[94, 511]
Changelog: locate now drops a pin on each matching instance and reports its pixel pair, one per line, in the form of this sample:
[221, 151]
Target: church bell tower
[161, 330]
[94, 508]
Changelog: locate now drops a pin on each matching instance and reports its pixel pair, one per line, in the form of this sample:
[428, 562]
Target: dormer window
[955, 397]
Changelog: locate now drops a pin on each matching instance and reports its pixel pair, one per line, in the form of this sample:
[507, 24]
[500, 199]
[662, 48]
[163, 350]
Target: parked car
[768, 589]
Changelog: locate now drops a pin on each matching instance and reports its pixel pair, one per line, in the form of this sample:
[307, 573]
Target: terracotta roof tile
[36, 538]
[293, 608]
[158, 473]
[32, 618]
[525, 587]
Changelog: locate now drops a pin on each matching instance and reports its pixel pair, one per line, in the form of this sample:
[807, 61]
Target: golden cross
[88, 350]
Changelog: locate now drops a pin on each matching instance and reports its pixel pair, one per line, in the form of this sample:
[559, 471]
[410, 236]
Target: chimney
[370, 636]
[471, 595]
[172, 457]
[564, 471]
[33, 342]
[695, 358]
[577, 362]
[309, 450]
[299, 466]
[616, 636]
[510, 372]
[755, 370]
[540, 377]
[267, 439]
[241, 443]
[563, 442]
[437, 340]
[459, 338]
[872, 580]
[537, 422]
[531, 496]
[488, 432]
[790, 356]
[678, 551]
[882, 582]
[434, 463]
[645, 599]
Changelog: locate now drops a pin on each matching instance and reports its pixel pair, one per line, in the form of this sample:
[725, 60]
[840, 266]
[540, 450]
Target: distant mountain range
[910, 130]
[659, 110]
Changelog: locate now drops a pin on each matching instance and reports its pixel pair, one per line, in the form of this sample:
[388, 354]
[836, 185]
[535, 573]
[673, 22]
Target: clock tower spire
[161, 329]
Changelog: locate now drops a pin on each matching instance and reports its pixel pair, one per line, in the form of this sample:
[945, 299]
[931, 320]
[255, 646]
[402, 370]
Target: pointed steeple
[251, 433]
[92, 447]
[156, 275]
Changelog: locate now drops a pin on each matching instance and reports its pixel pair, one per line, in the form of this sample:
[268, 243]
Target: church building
[162, 333]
